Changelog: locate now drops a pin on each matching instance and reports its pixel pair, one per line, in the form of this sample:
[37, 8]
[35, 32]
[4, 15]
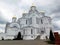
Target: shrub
[18, 37]
[51, 37]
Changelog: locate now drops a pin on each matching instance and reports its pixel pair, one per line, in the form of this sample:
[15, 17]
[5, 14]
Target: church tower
[32, 25]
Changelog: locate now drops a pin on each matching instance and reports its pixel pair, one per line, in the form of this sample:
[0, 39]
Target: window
[42, 30]
[30, 21]
[37, 20]
[15, 26]
[49, 21]
[31, 31]
[23, 31]
[41, 21]
[31, 36]
[26, 21]
[38, 31]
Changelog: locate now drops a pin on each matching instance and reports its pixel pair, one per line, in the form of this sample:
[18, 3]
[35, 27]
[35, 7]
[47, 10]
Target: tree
[2, 38]
[18, 37]
[51, 37]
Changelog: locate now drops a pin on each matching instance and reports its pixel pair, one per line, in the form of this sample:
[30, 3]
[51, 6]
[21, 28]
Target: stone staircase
[38, 38]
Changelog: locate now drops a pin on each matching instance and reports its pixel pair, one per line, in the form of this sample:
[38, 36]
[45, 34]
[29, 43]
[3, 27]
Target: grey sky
[10, 8]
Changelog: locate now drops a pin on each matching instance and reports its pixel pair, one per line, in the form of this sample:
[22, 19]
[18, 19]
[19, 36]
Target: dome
[33, 4]
[42, 11]
[14, 16]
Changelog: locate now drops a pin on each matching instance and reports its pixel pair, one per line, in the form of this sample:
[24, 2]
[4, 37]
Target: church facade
[30, 25]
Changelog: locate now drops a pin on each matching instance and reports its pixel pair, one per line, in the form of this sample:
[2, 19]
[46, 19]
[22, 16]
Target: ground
[24, 42]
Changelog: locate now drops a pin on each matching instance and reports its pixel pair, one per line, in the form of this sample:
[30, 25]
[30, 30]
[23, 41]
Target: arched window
[15, 26]
[26, 21]
[43, 30]
[23, 31]
[38, 31]
[30, 21]
[31, 31]
[41, 21]
[37, 20]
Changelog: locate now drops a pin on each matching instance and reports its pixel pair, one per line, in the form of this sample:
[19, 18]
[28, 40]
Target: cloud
[10, 8]
[6, 11]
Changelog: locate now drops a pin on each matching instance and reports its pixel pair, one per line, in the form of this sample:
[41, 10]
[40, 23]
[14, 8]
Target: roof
[42, 11]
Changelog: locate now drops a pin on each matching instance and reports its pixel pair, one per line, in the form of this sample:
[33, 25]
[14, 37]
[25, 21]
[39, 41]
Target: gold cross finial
[14, 16]
[42, 11]
[24, 11]
[33, 4]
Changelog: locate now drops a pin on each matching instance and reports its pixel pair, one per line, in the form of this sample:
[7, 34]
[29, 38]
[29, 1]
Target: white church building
[32, 24]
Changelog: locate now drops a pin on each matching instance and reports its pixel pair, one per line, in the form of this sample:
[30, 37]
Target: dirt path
[23, 42]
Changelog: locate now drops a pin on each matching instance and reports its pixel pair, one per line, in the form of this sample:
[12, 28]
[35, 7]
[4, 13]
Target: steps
[38, 38]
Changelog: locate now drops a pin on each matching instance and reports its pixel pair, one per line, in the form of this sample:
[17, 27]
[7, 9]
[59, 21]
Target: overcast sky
[9, 8]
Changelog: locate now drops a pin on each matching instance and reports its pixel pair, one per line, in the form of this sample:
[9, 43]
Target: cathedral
[32, 24]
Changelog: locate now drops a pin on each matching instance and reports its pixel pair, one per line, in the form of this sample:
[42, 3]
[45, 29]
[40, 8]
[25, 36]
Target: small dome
[14, 16]
[42, 11]
[33, 7]
[33, 4]
[24, 11]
